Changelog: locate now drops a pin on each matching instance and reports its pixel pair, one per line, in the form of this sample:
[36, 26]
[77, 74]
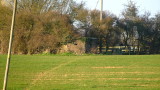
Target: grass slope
[82, 72]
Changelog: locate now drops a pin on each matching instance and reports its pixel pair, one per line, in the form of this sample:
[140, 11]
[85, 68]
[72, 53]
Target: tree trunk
[100, 45]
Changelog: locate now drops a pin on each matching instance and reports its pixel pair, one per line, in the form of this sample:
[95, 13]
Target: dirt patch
[146, 79]
[99, 74]
[109, 67]
[41, 76]
[80, 79]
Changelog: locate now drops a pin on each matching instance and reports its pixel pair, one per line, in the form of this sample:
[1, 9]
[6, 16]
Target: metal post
[101, 17]
[101, 12]
[10, 46]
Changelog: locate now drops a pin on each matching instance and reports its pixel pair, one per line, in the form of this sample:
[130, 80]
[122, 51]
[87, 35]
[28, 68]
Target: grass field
[82, 72]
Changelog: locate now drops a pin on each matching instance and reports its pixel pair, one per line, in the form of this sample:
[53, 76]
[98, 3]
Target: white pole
[10, 46]
[101, 12]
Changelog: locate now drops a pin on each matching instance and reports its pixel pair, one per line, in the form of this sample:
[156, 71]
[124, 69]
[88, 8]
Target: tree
[39, 6]
[5, 19]
[103, 30]
[41, 33]
[129, 26]
[131, 11]
[36, 33]
[144, 25]
[155, 37]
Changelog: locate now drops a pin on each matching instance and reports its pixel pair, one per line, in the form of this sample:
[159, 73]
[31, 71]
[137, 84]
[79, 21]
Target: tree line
[46, 25]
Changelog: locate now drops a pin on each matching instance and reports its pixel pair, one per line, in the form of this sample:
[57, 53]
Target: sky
[117, 6]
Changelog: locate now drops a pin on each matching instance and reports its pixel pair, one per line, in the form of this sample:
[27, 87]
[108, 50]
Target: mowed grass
[82, 72]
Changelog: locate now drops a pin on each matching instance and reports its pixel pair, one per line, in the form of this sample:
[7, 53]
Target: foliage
[40, 6]
[139, 31]
[43, 26]
[104, 30]
[5, 21]
[131, 11]
[37, 33]
[49, 31]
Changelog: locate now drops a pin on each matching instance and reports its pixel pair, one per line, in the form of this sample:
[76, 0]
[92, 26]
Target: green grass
[100, 72]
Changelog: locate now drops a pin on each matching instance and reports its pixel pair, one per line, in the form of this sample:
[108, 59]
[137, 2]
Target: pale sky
[117, 6]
